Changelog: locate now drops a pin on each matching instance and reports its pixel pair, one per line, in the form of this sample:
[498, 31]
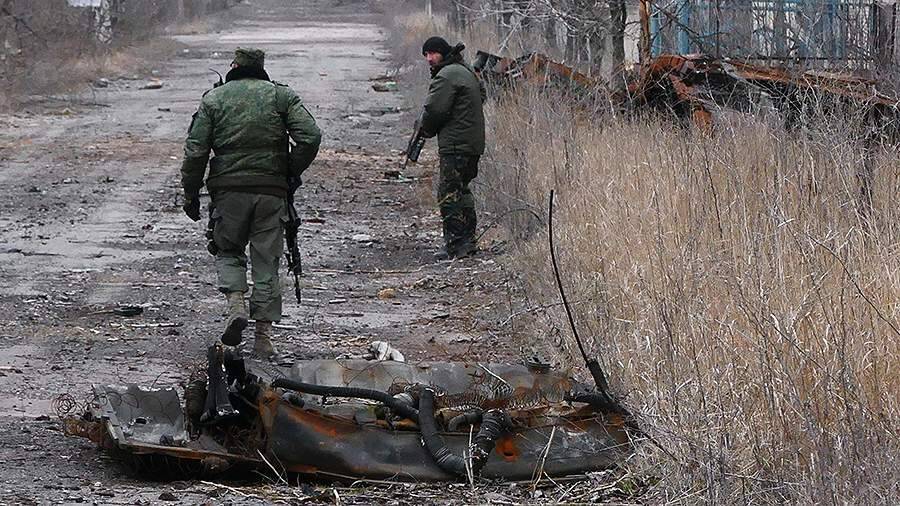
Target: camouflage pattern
[248, 57]
[453, 109]
[246, 124]
[240, 218]
[457, 203]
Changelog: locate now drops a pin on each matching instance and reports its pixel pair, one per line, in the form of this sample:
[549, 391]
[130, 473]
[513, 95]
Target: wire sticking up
[559, 284]
[592, 365]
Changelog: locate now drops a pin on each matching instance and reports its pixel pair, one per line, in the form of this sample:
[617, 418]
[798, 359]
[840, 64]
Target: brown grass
[739, 299]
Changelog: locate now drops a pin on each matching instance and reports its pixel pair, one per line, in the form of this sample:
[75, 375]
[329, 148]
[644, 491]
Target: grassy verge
[742, 300]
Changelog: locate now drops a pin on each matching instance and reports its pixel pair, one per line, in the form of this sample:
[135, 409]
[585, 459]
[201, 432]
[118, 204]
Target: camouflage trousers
[242, 218]
[456, 201]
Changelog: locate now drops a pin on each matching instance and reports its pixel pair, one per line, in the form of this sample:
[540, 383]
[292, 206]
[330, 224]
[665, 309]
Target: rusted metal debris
[697, 88]
[534, 68]
[322, 418]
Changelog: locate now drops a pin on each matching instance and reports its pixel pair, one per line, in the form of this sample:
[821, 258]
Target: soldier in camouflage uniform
[247, 123]
[453, 113]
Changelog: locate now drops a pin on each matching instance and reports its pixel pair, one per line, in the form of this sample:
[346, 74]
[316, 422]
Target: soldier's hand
[192, 207]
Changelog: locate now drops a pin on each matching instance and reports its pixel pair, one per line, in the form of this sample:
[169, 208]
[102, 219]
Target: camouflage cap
[249, 57]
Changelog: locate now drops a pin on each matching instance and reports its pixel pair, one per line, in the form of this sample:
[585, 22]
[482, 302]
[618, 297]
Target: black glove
[192, 207]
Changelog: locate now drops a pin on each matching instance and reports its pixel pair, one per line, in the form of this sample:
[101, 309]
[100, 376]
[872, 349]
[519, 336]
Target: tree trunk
[571, 50]
[550, 34]
[617, 16]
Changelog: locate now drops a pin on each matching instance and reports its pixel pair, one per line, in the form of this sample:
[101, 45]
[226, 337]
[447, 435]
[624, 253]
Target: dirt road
[91, 220]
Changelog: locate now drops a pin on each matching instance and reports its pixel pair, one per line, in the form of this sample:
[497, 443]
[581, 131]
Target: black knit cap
[436, 45]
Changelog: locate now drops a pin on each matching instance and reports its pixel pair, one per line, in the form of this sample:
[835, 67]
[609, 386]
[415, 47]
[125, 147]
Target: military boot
[262, 345]
[237, 319]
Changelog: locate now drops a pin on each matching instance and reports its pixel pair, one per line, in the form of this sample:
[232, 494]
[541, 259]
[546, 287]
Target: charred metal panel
[144, 421]
[459, 381]
[141, 416]
[306, 441]
[344, 437]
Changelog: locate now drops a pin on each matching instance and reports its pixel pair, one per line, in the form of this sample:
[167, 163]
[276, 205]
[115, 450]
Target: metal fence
[820, 33]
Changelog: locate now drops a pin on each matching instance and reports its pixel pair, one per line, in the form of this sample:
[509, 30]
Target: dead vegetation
[59, 46]
[742, 294]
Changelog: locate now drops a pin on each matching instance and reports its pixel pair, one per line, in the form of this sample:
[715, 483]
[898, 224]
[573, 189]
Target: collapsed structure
[366, 419]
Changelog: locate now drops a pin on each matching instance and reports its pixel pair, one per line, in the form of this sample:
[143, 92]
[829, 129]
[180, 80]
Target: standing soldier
[453, 113]
[247, 123]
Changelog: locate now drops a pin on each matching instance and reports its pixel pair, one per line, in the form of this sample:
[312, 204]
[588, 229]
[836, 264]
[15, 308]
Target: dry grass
[736, 294]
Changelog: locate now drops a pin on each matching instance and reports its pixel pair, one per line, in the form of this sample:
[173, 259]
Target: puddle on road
[354, 33]
[368, 319]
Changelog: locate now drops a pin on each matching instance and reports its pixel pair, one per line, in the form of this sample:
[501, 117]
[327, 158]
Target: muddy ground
[91, 219]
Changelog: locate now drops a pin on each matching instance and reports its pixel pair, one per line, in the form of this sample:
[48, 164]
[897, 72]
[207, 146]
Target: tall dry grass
[741, 303]
[736, 295]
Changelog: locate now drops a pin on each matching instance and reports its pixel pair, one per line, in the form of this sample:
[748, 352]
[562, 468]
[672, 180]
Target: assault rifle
[416, 143]
[292, 254]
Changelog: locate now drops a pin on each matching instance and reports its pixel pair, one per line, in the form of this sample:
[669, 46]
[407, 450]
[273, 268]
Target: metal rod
[559, 284]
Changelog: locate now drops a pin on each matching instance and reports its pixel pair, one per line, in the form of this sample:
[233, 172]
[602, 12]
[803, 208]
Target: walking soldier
[248, 124]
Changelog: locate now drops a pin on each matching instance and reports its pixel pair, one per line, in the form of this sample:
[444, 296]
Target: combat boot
[237, 319]
[262, 345]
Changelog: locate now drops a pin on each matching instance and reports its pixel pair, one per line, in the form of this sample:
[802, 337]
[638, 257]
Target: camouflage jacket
[246, 123]
[453, 109]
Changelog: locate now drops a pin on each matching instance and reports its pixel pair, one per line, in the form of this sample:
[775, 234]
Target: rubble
[359, 419]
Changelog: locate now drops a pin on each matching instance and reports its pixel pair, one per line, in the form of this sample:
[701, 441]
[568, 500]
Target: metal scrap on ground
[365, 419]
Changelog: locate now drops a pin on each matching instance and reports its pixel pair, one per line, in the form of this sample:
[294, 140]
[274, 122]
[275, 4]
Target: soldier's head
[435, 50]
[249, 57]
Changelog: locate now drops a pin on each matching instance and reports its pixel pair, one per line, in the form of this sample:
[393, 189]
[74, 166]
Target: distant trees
[37, 35]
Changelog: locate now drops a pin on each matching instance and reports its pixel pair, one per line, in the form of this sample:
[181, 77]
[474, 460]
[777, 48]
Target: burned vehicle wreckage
[365, 419]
